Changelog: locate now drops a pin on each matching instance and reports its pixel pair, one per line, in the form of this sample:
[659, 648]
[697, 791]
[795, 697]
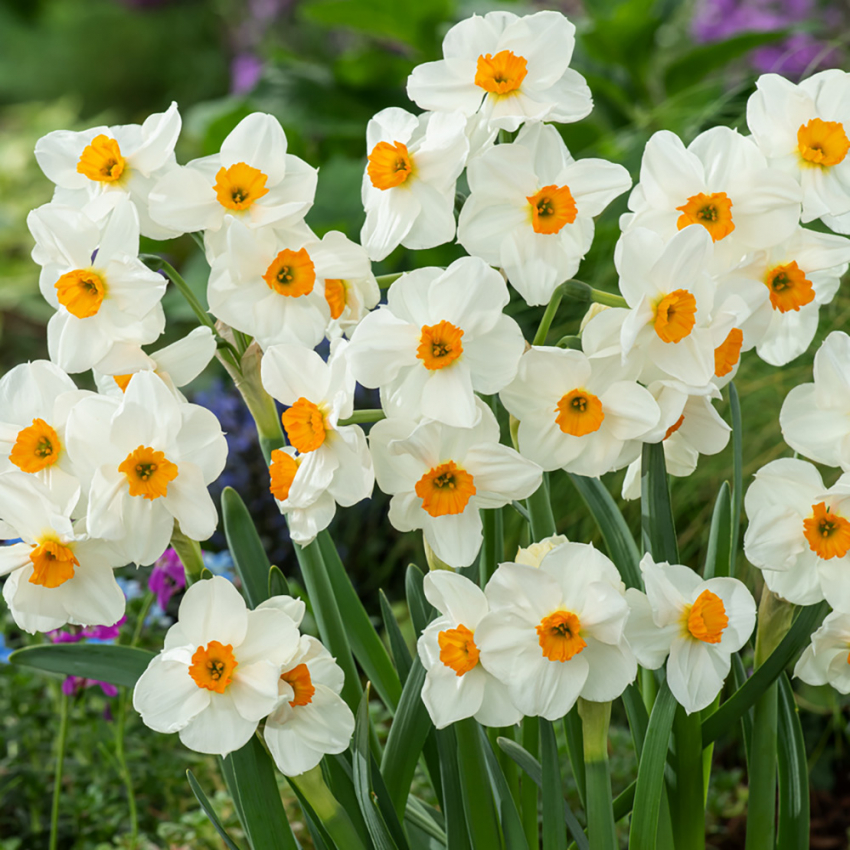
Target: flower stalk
[595, 717]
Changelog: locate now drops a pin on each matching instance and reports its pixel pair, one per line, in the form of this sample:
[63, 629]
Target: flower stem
[140, 620]
[158, 264]
[60, 762]
[548, 316]
[124, 770]
[362, 416]
[189, 552]
[386, 280]
[602, 831]
[688, 806]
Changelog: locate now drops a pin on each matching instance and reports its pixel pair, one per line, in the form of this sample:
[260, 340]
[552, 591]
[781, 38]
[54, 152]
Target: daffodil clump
[713, 261]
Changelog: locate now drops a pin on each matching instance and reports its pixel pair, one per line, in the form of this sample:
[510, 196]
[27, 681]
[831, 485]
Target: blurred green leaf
[719, 554]
[554, 834]
[249, 555]
[209, 811]
[118, 665]
[658, 529]
[793, 825]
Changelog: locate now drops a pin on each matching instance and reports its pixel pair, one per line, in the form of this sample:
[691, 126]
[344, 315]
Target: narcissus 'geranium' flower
[803, 130]
[532, 206]
[698, 624]
[441, 337]
[57, 574]
[333, 464]
[799, 533]
[815, 418]
[555, 633]
[784, 288]
[720, 182]
[457, 685]
[95, 169]
[512, 69]
[826, 660]
[408, 188]
[533, 554]
[102, 291]
[311, 718]
[252, 179]
[146, 460]
[440, 476]
[573, 419]
[274, 287]
[218, 673]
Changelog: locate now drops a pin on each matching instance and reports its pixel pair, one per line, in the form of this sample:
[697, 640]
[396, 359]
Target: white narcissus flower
[408, 188]
[333, 465]
[533, 554]
[531, 209]
[311, 719]
[440, 476]
[441, 337]
[721, 182]
[784, 288]
[146, 460]
[802, 130]
[457, 685]
[511, 69]
[57, 574]
[252, 179]
[103, 292]
[177, 364]
[571, 418]
[218, 674]
[799, 533]
[815, 418]
[555, 633]
[95, 169]
[826, 660]
[273, 285]
[697, 623]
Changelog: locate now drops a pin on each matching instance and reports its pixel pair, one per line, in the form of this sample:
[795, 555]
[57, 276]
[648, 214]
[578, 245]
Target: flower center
[551, 208]
[674, 427]
[789, 288]
[558, 635]
[213, 665]
[822, 143]
[239, 186]
[335, 295]
[101, 160]
[298, 678]
[148, 472]
[458, 649]
[728, 353]
[828, 533]
[445, 489]
[81, 292]
[502, 73]
[675, 316]
[389, 165]
[304, 424]
[440, 345]
[52, 564]
[713, 212]
[291, 273]
[706, 618]
[283, 469]
[123, 381]
[579, 413]
[36, 447]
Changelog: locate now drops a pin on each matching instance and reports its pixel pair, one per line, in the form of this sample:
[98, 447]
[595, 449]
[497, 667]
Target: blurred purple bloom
[167, 577]
[245, 70]
[74, 685]
[104, 633]
[794, 56]
[97, 634]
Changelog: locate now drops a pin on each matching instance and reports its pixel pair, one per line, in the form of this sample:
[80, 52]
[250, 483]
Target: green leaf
[493, 544]
[398, 646]
[601, 828]
[618, 539]
[512, 828]
[478, 802]
[408, 733]
[264, 820]
[638, 718]
[650, 781]
[747, 695]
[657, 527]
[249, 556]
[532, 767]
[554, 834]
[737, 473]
[365, 642]
[540, 513]
[421, 610]
[693, 66]
[118, 665]
[278, 585]
[452, 794]
[575, 750]
[718, 557]
[793, 826]
[739, 677]
[209, 811]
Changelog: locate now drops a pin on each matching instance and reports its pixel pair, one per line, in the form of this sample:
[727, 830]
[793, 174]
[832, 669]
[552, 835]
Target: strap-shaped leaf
[650, 780]
[554, 834]
[512, 828]
[118, 665]
[452, 795]
[209, 811]
[793, 826]
[658, 530]
[539, 505]
[718, 557]
[737, 474]
[398, 646]
[249, 555]
[278, 585]
[575, 750]
[618, 539]
[421, 610]
[478, 802]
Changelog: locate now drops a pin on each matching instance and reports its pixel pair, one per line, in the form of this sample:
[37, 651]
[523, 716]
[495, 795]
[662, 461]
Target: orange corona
[304, 424]
[291, 273]
[298, 678]
[789, 287]
[282, 472]
[728, 353]
[213, 665]
[675, 316]
[389, 165]
[579, 413]
[706, 619]
[81, 292]
[457, 649]
[559, 636]
[36, 447]
[238, 187]
[502, 73]
[713, 212]
[445, 489]
[52, 564]
[828, 533]
[822, 143]
[148, 472]
[551, 208]
[102, 160]
[439, 345]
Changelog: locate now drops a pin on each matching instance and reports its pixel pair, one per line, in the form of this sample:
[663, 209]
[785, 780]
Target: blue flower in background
[5, 652]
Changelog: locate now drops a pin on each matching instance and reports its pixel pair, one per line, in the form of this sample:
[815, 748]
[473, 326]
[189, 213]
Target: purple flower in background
[74, 685]
[167, 577]
[96, 634]
[245, 70]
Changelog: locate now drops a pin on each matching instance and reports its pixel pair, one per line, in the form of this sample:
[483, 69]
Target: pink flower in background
[167, 577]
[74, 685]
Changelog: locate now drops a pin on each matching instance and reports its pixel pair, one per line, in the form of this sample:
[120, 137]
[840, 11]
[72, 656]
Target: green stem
[158, 264]
[548, 316]
[602, 832]
[189, 552]
[140, 620]
[581, 291]
[493, 546]
[569, 341]
[360, 417]
[528, 788]
[60, 762]
[386, 280]
[199, 241]
[688, 806]
[124, 770]
[540, 511]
